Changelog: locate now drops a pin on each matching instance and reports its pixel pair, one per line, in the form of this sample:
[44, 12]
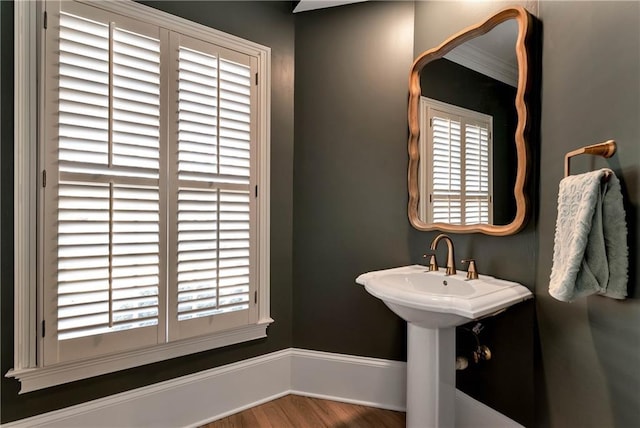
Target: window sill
[32, 379]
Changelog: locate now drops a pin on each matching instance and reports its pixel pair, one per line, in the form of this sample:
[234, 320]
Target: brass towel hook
[605, 149]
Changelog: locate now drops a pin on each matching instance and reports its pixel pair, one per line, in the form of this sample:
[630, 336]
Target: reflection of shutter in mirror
[459, 165]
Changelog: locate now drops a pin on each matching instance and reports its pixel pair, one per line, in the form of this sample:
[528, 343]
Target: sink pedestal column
[431, 377]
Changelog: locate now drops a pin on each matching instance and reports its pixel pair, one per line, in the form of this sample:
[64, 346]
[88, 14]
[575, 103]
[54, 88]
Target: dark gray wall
[268, 23]
[590, 365]
[350, 198]
[6, 202]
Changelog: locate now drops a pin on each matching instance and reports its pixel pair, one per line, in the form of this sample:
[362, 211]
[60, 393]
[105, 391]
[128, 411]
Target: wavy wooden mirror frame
[524, 21]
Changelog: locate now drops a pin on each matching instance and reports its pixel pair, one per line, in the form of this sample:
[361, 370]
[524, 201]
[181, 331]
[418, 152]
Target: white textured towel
[590, 253]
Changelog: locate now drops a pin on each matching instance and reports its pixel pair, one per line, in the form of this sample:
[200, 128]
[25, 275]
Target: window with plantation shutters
[457, 173]
[150, 186]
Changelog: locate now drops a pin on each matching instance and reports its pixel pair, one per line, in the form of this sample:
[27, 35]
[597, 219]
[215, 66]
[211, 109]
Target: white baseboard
[196, 399]
[360, 380]
[187, 401]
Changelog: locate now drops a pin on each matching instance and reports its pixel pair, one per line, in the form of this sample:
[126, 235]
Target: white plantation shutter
[104, 189]
[155, 236]
[458, 180]
[213, 203]
[477, 197]
[446, 176]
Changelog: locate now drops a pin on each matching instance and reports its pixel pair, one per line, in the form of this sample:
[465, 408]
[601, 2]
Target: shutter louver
[107, 269]
[235, 125]
[234, 250]
[213, 198]
[446, 170]
[197, 253]
[84, 92]
[198, 115]
[447, 210]
[108, 194]
[136, 97]
[476, 174]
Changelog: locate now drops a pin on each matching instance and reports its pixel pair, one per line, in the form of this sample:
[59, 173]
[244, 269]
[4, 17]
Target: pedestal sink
[433, 304]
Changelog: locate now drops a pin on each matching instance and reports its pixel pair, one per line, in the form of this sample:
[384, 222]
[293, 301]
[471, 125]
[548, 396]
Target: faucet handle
[472, 273]
[433, 264]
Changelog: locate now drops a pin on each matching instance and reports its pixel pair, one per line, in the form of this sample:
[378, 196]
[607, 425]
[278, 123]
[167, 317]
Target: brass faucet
[451, 267]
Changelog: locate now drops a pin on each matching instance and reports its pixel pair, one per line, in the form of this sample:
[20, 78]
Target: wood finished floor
[294, 411]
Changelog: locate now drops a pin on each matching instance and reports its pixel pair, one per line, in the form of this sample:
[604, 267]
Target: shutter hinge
[256, 79]
[430, 198]
[43, 323]
[255, 297]
[430, 122]
[256, 191]
[45, 20]
[44, 178]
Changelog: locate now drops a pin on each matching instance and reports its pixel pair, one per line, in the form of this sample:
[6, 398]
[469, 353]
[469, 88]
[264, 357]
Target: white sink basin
[435, 300]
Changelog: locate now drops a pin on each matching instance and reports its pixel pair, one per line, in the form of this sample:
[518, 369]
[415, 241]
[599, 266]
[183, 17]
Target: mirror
[467, 122]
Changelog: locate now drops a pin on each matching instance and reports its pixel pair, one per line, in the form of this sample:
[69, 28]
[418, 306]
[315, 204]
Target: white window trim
[25, 181]
[28, 19]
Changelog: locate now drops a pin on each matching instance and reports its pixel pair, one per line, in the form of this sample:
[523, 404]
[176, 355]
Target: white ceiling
[305, 5]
